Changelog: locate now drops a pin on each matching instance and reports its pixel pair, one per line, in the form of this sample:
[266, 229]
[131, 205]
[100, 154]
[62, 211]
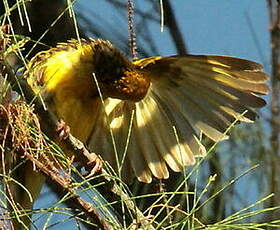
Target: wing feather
[163, 136]
[191, 94]
[209, 91]
[220, 103]
[187, 135]
[146, 144]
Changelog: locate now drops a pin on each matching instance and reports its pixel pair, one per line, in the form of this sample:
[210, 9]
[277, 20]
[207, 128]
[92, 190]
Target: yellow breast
[68, 79]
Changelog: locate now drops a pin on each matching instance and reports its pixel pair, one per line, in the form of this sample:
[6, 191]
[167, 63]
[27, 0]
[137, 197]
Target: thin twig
[48, 125]
[131, 31]
[50, 172]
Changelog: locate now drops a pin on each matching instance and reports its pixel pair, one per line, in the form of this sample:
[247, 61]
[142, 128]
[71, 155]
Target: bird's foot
[94, 165]
[62, 129]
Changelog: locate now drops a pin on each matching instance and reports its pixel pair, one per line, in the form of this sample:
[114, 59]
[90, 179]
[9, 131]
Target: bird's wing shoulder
[36, 67]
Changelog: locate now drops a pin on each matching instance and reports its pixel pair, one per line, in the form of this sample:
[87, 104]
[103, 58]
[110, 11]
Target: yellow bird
[145, 117]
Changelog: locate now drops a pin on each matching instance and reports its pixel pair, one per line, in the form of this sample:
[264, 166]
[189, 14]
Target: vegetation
[236, 186]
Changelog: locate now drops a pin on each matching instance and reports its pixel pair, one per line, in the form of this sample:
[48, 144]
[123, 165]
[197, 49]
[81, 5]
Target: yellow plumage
[153, 109]
[63, 72]
[165, 95]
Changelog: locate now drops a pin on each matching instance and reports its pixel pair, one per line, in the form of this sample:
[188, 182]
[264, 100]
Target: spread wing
[188, 95]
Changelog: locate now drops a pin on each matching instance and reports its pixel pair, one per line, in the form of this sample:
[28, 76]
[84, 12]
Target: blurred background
[241, 28]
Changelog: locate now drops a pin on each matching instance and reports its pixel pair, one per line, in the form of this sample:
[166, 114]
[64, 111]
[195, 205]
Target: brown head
[116, 75]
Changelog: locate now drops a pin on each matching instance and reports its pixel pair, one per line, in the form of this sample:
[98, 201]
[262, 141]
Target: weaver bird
[155, 107]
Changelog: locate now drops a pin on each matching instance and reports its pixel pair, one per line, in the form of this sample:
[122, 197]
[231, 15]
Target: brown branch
[48, 125]
[48, 169]
[274, 12]
[47, 120]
